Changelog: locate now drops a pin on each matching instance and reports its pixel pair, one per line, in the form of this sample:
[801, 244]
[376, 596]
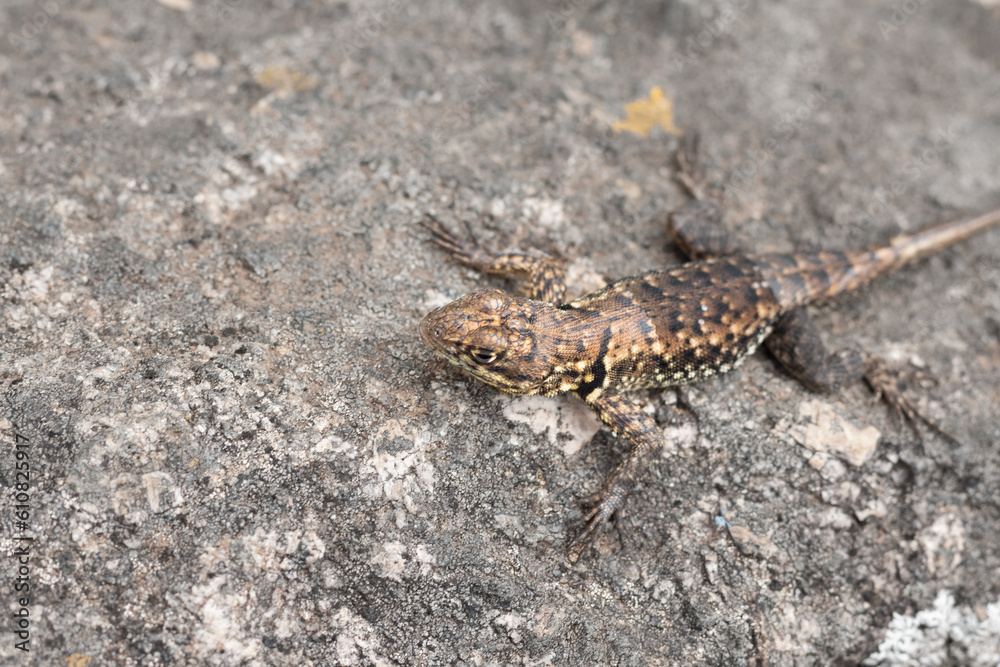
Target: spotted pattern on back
[677, 326]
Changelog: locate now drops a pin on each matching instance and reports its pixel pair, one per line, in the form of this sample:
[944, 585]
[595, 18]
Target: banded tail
[805, 277]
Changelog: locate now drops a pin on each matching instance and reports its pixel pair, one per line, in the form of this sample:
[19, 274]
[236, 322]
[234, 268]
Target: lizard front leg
[540, 276]
[627, 420]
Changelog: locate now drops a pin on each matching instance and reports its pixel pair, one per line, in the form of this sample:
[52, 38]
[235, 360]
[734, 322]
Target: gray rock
[240, 452]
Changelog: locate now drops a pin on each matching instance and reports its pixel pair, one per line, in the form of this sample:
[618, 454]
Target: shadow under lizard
[663, 328]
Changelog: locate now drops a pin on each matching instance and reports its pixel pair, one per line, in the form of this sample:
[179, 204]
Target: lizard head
[495, 337]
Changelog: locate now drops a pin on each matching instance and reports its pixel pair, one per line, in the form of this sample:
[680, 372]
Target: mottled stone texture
[211, 276]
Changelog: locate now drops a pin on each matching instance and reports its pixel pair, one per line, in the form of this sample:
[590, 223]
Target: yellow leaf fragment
[284, 79]
[641, 116]
[78, 660]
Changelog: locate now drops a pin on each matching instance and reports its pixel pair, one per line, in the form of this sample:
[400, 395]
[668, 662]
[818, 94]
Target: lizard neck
[568, 343]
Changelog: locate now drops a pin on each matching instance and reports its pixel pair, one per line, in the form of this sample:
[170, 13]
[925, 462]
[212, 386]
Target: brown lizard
[663, 328]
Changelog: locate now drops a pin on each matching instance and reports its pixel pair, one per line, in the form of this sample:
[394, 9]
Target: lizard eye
[483, 357]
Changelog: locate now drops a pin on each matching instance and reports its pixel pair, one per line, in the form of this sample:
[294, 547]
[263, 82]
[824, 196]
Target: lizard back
[680, 325]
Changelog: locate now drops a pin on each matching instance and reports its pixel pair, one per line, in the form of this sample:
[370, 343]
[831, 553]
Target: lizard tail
[808, 277]
[932, 239]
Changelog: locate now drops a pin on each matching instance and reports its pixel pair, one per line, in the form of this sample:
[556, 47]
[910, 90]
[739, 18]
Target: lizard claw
[689, 173]
[885, 385]
[442, 236]
[598, 509]
[469, 253]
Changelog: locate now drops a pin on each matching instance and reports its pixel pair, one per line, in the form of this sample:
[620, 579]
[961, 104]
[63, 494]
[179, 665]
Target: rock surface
[240, 453]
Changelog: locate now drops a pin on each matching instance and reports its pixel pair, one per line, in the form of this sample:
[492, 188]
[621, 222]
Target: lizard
[664, 328]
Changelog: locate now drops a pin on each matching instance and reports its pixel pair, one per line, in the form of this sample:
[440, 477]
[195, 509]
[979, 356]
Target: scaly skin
[662, 328]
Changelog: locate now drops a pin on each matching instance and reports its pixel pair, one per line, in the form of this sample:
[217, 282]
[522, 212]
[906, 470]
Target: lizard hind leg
[796, 344]
[697, 230]
[696, 227]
